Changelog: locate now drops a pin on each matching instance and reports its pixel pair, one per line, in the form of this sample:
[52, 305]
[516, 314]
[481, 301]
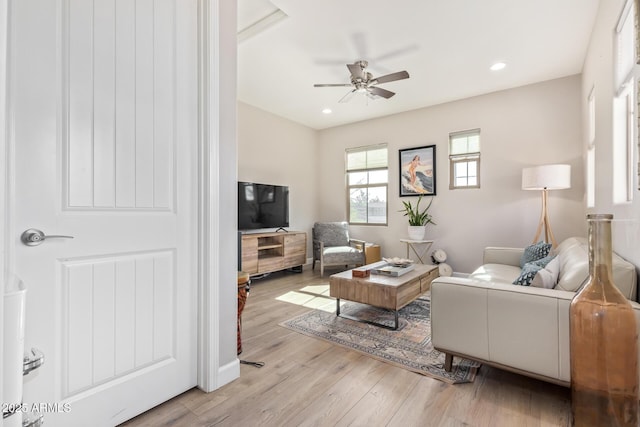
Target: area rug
[409, 347]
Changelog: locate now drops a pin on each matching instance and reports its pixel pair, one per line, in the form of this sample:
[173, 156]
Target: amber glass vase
[604, 349]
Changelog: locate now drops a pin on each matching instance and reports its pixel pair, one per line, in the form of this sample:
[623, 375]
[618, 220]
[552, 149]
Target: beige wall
[531, 125]
[598, 74]
[536, 124]
[273, 150]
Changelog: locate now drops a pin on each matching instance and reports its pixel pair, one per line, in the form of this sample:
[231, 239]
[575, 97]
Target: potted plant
[418, 219]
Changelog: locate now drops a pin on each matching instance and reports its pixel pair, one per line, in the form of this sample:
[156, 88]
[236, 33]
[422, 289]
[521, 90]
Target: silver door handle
[34, 237]
[32, 361]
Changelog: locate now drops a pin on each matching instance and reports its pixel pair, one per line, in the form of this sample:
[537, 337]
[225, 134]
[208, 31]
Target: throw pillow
[547, 277]
[542, 262]
[535, 252]
[528, 273]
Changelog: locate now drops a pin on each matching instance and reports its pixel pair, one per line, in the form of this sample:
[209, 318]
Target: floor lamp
[545, 178]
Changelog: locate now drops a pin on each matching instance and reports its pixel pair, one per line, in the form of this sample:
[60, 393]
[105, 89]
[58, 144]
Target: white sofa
[523, 329]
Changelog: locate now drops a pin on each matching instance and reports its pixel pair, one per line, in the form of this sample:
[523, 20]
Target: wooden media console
[269, 252]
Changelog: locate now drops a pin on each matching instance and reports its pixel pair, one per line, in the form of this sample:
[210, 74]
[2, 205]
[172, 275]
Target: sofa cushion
[343, 255]
[547, 277]
[567, 243]
[573, 255]
[535, 252]
[625, 277]
[542, 262]
[496, 273]
[574, 265]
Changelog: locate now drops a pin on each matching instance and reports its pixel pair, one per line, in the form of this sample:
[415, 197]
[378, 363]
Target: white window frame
[350, 186]
[624, 105]
[591, 150]
[467, 157]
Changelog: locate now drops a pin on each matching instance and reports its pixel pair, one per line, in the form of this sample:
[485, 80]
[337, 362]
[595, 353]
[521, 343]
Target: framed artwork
[418, 171]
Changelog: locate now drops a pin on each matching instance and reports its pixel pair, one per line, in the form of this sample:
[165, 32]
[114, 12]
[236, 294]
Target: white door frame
[217, 360]
[218, 363]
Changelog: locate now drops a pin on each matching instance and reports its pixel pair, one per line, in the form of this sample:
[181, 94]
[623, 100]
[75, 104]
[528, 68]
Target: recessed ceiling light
[327, 111]
[498, 66]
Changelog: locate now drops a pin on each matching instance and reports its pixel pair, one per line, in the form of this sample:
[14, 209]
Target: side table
[419, 247]
[371, 253]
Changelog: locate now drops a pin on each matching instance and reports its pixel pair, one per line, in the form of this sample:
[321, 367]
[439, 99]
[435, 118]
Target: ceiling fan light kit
[363, 81]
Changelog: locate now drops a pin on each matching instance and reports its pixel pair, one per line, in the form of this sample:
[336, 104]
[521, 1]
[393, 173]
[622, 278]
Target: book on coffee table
[393, 270]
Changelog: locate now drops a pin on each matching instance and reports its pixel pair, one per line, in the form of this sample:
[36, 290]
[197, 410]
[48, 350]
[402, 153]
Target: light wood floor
[309, 382]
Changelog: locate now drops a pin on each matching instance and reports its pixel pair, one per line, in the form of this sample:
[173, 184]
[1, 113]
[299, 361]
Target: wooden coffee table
[391, 293]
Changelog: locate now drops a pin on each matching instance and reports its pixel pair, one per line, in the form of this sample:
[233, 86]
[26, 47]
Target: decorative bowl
[398, 262]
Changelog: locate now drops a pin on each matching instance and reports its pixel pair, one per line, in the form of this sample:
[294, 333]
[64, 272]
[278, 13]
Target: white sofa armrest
[497, 255]
[459, 316]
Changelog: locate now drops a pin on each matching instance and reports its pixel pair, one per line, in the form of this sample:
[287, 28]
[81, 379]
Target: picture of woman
[417, 171]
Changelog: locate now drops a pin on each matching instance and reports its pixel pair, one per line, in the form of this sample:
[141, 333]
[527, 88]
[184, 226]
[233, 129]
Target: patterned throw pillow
[542, 262]
[528, 273]
[535, 252]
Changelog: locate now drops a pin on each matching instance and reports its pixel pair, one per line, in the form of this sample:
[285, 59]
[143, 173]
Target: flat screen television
[262, 206]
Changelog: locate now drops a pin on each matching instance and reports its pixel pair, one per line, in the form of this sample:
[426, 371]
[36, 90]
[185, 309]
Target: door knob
[34, 237]
[32, 361]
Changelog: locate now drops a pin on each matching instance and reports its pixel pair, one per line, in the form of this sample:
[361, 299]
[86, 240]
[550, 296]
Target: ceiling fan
[363, 82]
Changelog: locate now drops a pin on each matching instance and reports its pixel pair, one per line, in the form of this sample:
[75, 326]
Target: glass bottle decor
[604, 349]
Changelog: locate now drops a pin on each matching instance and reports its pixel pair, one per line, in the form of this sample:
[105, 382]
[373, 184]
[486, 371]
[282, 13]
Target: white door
[104, 137]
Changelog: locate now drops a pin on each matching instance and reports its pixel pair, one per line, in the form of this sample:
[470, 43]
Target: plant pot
[416, 232]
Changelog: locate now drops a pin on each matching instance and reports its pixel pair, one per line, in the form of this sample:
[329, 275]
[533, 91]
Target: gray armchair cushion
[343, 255]
[332, 233]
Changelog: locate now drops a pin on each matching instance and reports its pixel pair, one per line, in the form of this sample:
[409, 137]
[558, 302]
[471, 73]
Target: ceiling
[447, 46]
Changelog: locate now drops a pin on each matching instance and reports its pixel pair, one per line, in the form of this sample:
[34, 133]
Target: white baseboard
[228, 373]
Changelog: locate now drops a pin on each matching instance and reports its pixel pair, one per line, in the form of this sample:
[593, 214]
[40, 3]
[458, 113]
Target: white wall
[274, 150]
[598, 74]
[531, 125]
[4, 9]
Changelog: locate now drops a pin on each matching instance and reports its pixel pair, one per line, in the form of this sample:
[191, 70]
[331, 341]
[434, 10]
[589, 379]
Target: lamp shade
[549, 177]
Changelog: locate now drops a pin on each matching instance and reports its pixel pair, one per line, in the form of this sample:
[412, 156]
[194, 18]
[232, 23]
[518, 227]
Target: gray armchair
[332, 246]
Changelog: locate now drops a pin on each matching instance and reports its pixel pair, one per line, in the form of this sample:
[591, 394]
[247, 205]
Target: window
[591, 152]
[624, 105]
[464, 159]
[367, 184]
[623, 146]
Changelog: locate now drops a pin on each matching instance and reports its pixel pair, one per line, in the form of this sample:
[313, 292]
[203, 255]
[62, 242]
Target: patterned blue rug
[409, 347]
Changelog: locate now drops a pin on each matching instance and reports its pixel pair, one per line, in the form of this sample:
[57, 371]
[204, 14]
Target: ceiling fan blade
[381, 92]
[356, 70]
[333, 85]
[390, 77]
[348, 96]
